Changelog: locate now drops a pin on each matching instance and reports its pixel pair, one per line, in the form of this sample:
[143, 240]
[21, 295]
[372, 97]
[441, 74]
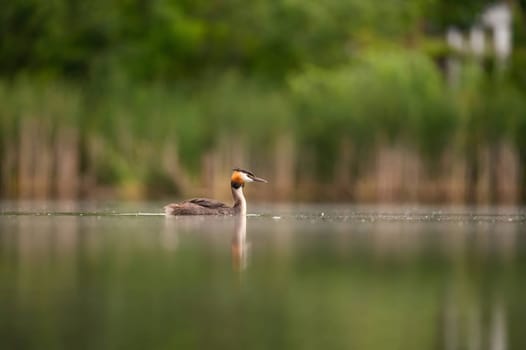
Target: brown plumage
[205, 206]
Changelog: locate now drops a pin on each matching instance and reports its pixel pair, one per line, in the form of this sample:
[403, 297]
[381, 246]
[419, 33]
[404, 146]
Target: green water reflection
[301, 281]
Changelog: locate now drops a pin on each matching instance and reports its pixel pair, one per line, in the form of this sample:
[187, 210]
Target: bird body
[206, 206]
[200, 206]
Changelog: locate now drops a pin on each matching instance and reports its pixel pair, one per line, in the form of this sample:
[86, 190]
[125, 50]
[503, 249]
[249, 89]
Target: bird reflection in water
[239, 246]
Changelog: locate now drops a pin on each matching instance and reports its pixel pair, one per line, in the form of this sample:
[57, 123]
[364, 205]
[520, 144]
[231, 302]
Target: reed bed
[379, 129]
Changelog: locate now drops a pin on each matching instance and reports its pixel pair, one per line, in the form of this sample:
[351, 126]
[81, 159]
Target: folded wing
[208, 203]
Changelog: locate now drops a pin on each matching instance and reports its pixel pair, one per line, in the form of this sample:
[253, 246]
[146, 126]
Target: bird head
[240, 177]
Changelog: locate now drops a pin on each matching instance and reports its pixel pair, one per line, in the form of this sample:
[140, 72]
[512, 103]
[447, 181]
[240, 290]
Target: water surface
[111, 276]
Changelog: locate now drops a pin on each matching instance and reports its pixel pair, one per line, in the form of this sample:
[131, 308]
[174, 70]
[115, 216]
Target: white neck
[239, 200]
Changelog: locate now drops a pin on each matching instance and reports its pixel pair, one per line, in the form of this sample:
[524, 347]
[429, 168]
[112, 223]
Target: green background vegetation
[146, 95]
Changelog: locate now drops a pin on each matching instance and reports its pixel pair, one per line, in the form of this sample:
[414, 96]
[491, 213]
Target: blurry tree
[167, 39]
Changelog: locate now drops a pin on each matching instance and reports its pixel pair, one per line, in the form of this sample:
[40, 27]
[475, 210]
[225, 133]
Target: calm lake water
[113, 276]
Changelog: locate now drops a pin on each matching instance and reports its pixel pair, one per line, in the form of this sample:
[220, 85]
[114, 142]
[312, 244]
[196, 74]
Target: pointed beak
[258, 179]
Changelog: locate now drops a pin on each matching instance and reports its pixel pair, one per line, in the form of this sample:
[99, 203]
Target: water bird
[206, 206]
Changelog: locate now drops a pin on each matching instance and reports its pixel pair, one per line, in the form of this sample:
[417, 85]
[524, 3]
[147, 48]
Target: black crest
[244, 171]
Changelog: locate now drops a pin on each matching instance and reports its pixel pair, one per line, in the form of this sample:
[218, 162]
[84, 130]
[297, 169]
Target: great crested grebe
[205, 206]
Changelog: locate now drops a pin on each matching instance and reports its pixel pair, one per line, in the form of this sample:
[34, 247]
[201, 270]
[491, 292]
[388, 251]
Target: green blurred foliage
[387, 96]
[462, 14]
[167, 39]
[140, 77]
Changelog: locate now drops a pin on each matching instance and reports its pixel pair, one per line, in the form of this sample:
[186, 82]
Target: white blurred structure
[496, 18]
[454, 39]
[477, 40]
